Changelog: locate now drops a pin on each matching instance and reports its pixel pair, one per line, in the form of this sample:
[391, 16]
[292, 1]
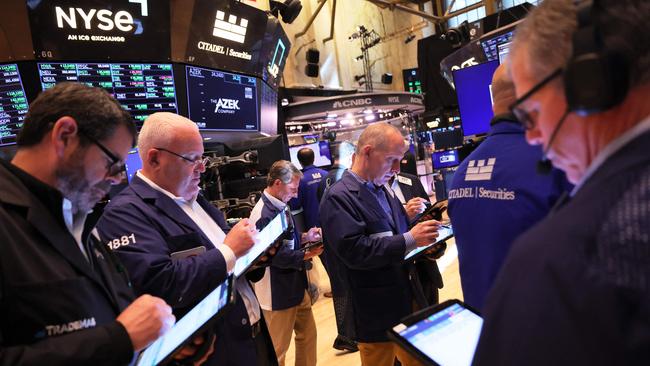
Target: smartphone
[433, 212]
[311, 245]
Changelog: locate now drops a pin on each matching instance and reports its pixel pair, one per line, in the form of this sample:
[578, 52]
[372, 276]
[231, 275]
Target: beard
[72, 182]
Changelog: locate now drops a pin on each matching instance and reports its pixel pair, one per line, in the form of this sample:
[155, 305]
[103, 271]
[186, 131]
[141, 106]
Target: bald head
[164, 129]
[503, 90]
[381, 136]
[379, 151]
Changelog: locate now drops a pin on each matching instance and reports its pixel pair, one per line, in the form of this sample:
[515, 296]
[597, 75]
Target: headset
[595, 79]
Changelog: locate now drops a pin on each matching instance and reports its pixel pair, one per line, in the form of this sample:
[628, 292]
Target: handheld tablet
[444, 232]
[445, 334]
[264, 240]
[204, 314]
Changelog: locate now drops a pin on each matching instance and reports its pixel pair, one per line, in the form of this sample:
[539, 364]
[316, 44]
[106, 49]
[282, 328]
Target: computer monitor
[445, 159]
[13, 104]
[473, 87]
[322, 155]
[141, 88]
[412, 82]
[133, 163]
[490, 45]
[222, 101]
[447, 138]
[503, 50]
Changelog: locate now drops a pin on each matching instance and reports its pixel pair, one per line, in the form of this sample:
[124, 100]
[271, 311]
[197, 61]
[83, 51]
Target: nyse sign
[104, 29]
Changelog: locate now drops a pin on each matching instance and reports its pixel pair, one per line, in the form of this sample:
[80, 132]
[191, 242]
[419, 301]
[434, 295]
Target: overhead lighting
[284, 102]
[358, 58]
[370, 117]
[349, 115]
[331, 124]
[346, 122]
[332, 115]
[367, 111]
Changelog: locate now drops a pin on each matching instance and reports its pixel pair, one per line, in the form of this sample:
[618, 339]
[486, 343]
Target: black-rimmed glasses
[195, 162]
[115, 167]
[522, 115]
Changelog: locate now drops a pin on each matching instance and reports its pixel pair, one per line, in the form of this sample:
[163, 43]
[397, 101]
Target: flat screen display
[445, 159]
[447, 138]
[322, 155]
[142, 89]
[222, 101]
[264, 239]
[13, 104]
[186, 326]
[268, 109]
[449, 336]
[473, 88]
[503, 49]
[412, 83]
[133, 164]
[275, 52]
[490, 45]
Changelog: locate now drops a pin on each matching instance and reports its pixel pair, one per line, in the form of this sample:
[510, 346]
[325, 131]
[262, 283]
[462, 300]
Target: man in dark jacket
[64, 299]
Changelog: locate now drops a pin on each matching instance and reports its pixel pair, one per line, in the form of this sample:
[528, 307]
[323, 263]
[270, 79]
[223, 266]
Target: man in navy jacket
[575, 288]
[308, 189]
[367, 231]
[283, 289]
[174, 243]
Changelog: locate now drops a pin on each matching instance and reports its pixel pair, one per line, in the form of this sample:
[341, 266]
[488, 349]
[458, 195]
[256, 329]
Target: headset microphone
[544, 165]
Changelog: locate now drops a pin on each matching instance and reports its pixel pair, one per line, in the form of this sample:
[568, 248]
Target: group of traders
[78, 287]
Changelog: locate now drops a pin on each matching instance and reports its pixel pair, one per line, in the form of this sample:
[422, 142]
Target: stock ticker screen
[13, 104]
[141, 88]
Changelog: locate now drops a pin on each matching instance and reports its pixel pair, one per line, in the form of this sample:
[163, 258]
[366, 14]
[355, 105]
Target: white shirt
[216, 236]
[75, 224]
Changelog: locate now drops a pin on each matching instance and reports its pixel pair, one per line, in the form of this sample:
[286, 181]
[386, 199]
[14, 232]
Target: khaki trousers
[282, 324]
[384, 354]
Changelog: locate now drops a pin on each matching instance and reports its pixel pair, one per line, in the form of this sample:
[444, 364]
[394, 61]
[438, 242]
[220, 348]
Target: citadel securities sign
[226, 34]
[135, 30]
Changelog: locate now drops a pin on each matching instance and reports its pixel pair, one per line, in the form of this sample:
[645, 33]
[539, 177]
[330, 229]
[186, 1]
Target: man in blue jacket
[366, 229]
[490, 210]
[176, 245]
[308, 189]
[575, 288]
[283, 289]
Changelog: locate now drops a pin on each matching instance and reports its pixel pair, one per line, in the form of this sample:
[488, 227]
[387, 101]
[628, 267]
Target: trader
[64, 300]
[282, 291]
[574, 289]
[483, 238]
[367, 231]
[307, 190]
[174, 243]
[342, 156]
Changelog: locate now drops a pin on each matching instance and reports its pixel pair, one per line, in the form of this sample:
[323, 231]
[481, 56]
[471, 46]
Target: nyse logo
[230, 30]
[479, 170]
[106, 20]
[224, 105]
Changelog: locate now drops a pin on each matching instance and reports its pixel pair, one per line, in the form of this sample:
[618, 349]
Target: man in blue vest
[308, 189]
[490, 210]
[282, 291]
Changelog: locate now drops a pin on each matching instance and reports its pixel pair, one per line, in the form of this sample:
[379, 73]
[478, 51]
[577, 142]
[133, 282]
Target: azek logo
[479, 170]
[224, 104]
[229, 29]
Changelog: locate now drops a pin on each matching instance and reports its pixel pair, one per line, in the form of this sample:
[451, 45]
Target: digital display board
[412, 83]
[222, 101]
[474, 91]
[133, 30]
[490, 45]
[13, 104]
[226, 34]
[322, 155]
[142, 89]
[445, 159]
[275, 52]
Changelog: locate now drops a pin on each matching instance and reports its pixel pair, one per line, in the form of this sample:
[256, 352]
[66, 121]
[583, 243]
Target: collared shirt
[75, 224]
[409, 240]
[216, 236]
[395, 188]
[611, 148]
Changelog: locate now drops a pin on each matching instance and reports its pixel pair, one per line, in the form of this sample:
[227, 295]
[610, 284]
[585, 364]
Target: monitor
[141, 88]
[274, 53]
[222, 101]
[490, 45]
[322, 155]
[268, 109]
[447, 138]
[133, 163]
[445, 159]
[473, 87]
[13, 104]
[503, 50]
[412, 83]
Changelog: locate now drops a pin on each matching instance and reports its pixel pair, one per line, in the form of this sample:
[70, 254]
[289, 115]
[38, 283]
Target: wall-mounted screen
[268, 109]
[322, 155]
[13, 104]
[491, 45]
[142, 89]
[222, 101]
[445, 159]
[412, 83]
[447, 138]
[473, 88]
[275, 52]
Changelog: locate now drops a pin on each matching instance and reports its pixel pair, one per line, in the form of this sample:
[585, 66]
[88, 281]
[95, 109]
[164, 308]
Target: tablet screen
[264, 239]
[444, 232]
[186, 326]
[448, 336]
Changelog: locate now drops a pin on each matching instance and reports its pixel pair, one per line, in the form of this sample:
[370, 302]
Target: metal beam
[331, 37]
[391, 6]
[311, 20]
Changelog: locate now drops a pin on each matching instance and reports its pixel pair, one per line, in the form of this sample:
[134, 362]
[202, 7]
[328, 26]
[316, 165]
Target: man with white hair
[176, 245]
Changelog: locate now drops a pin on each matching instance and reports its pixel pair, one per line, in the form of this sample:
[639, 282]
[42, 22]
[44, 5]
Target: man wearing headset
[575, 288]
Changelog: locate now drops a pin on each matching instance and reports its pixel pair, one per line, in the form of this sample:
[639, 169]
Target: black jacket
[55, 309]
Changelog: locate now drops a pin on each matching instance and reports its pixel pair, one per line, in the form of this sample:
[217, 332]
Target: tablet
[264, 240]
[445, 334]
[433, 211]
[444, 232]
[204, 314]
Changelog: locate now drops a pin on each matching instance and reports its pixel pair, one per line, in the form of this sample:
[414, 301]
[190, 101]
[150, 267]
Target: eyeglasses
[196, 162]
[115, 168]
[522, 115]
